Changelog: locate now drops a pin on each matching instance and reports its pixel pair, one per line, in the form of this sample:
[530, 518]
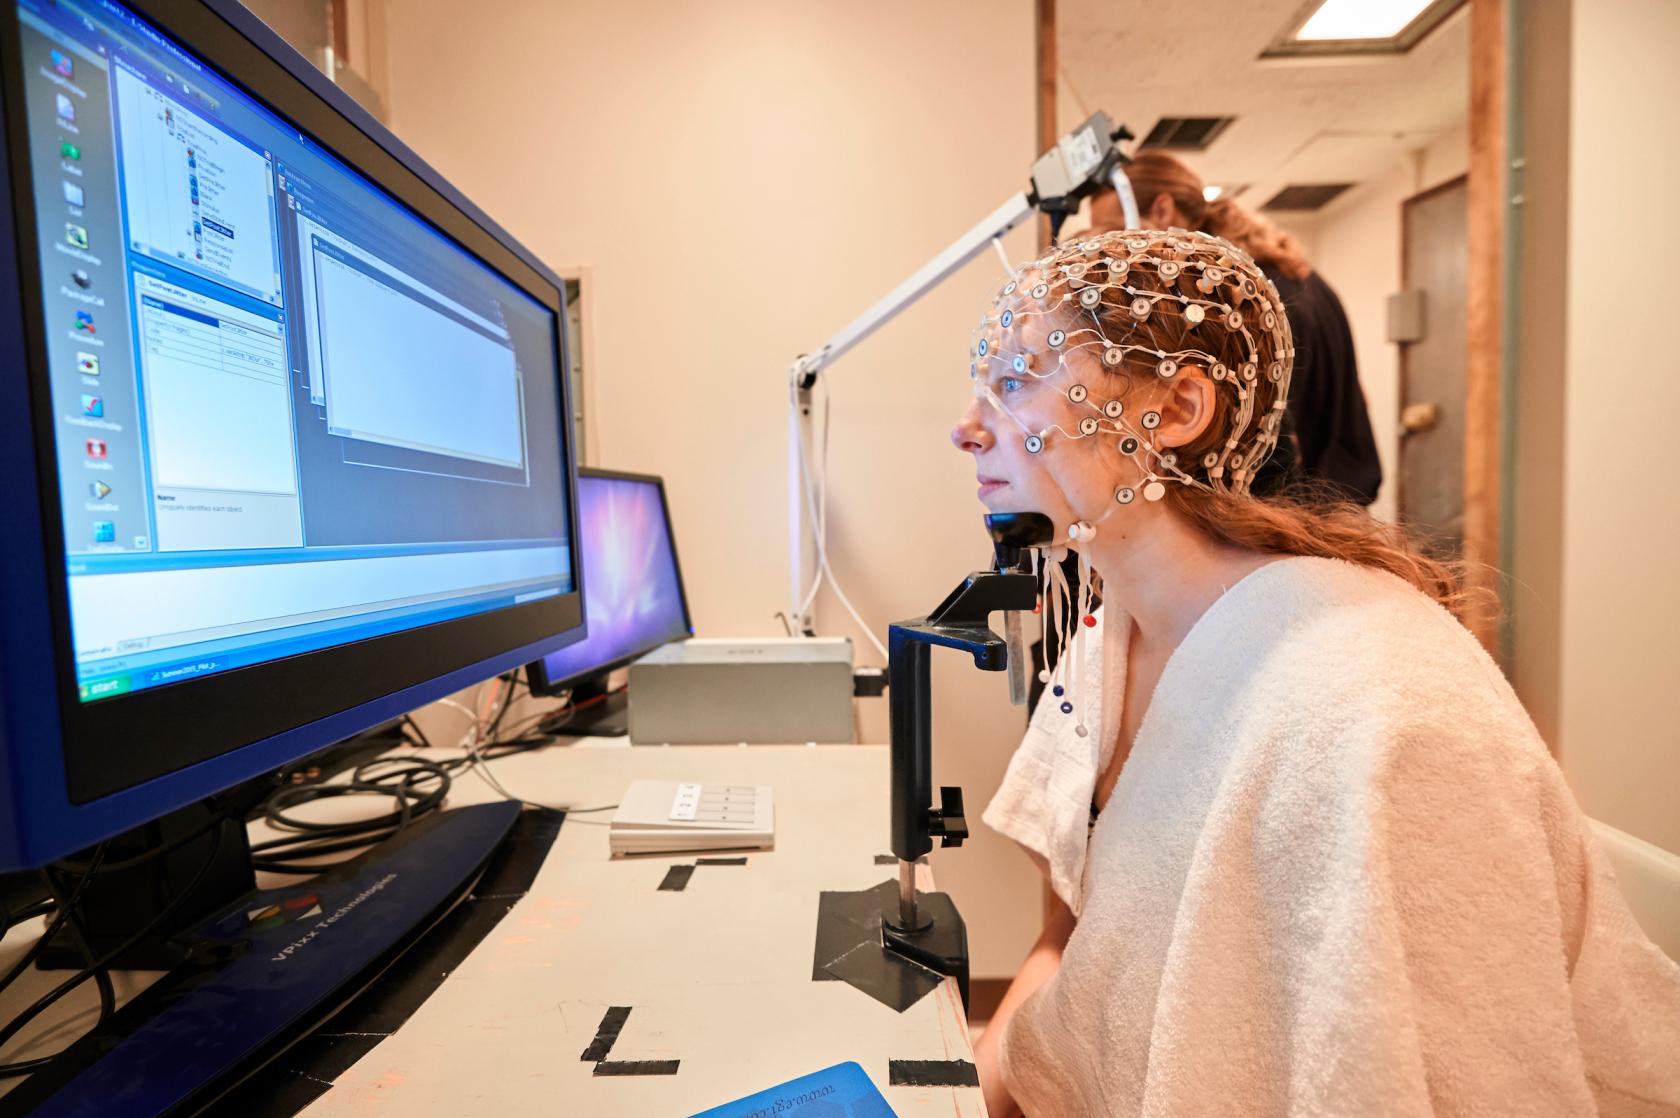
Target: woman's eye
[1012, 384]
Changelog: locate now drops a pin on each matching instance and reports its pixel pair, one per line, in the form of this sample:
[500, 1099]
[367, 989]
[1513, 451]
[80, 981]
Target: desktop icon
[96, 449]
[64, 64]
[69, 150]
[98, 490]
[66, 108]
[84, 323]
[74, 194]
[93, 405]
[87, 364]
[104, 531]
[75, 236]
[81, 279]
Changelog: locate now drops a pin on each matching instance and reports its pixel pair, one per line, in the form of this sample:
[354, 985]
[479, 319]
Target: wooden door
[1434, 259]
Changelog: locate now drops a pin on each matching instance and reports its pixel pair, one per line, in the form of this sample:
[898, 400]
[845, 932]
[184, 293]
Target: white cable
[821, 513]
[481, 765]
[795, 428]
[997, 243]
[472, 717]
[820, 533]
[814, 485]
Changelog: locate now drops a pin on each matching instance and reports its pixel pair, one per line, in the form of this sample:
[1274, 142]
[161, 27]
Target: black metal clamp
[926, 927]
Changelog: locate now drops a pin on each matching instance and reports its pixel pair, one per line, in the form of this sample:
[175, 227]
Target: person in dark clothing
[1332, 426]
[1328, 442]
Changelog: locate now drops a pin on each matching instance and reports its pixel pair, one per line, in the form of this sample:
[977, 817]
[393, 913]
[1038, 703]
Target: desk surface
[718, 976]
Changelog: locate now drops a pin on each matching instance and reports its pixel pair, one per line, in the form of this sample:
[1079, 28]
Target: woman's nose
[969, 435]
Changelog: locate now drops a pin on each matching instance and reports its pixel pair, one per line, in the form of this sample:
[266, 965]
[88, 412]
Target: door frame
[1487, 365]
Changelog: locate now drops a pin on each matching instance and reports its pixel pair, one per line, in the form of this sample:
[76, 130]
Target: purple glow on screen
[630, 583]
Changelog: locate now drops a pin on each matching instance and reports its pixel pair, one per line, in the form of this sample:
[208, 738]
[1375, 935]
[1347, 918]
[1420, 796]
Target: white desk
[718, 976]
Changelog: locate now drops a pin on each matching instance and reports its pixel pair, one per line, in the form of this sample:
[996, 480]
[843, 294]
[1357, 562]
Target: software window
[435, 377]
[196, 194]
[224, 465]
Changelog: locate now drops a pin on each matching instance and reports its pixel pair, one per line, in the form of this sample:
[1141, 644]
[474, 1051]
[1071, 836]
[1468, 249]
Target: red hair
[1153, 173]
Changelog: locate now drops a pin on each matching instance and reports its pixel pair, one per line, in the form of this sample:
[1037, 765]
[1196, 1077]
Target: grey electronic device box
[771, 691]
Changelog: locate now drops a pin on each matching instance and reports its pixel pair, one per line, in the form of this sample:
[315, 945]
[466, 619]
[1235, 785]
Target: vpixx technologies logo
[300, 907]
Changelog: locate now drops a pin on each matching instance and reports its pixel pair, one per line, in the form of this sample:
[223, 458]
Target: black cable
[513, 746]
[101, 978]
[98, 966]
[58, 921]
[152, 855]
[419, 786]
[397, 781]
[107, 1006]
[410, 724]
[10, 919]
[513, 682]
[277, 804]
[84, 942]
[278, 863]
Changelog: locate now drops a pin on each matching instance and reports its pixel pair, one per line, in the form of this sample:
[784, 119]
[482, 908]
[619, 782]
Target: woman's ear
[1162, 212]
[1187, 409]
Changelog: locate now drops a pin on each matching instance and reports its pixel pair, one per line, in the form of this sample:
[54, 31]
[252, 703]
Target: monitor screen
[284, 418]
[633, 593]
[289, 412]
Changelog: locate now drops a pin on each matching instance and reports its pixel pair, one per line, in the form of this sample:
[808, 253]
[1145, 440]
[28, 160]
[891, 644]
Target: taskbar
[95, 683]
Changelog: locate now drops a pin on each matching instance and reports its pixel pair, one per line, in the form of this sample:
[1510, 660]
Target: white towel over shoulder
[1339, 874]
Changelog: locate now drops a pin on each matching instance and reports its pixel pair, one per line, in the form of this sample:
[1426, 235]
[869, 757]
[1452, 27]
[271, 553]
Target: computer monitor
[283, 420]
[635, 599]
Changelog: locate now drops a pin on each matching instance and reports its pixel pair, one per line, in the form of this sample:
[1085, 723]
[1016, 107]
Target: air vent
[1186, 133]
[1305, 196]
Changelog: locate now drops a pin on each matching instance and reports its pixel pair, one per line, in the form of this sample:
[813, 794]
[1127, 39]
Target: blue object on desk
[842, 1091]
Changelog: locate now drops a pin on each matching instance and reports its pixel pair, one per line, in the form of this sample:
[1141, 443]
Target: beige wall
[1619, 738]
[742, 177]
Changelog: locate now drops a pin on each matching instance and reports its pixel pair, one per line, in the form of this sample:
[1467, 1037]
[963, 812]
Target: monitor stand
[596, 712]
[146, 870]
[265, 970]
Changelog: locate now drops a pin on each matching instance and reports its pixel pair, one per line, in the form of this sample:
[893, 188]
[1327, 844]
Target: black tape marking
[932, 1073]
[676, 878]
[612, 1023]
[637, 1067]
[722, 861]
[892, 860]
[849, 949]
[891, 979]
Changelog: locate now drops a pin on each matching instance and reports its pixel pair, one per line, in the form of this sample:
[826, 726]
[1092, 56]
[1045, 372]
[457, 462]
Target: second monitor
[633, 592]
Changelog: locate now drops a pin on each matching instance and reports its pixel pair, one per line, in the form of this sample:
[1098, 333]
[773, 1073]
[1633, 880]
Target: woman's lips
[990, 485]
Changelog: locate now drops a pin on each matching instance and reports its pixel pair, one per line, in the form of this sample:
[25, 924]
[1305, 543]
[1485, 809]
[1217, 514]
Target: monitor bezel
[184, 741]
[536, 674]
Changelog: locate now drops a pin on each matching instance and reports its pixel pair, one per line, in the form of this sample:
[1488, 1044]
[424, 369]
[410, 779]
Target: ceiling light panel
[1360, 19]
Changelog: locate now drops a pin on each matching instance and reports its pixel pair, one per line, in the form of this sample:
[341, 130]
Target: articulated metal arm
[1086, 160]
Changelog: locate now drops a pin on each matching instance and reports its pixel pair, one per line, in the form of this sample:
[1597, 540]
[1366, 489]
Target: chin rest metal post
[926, 926]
